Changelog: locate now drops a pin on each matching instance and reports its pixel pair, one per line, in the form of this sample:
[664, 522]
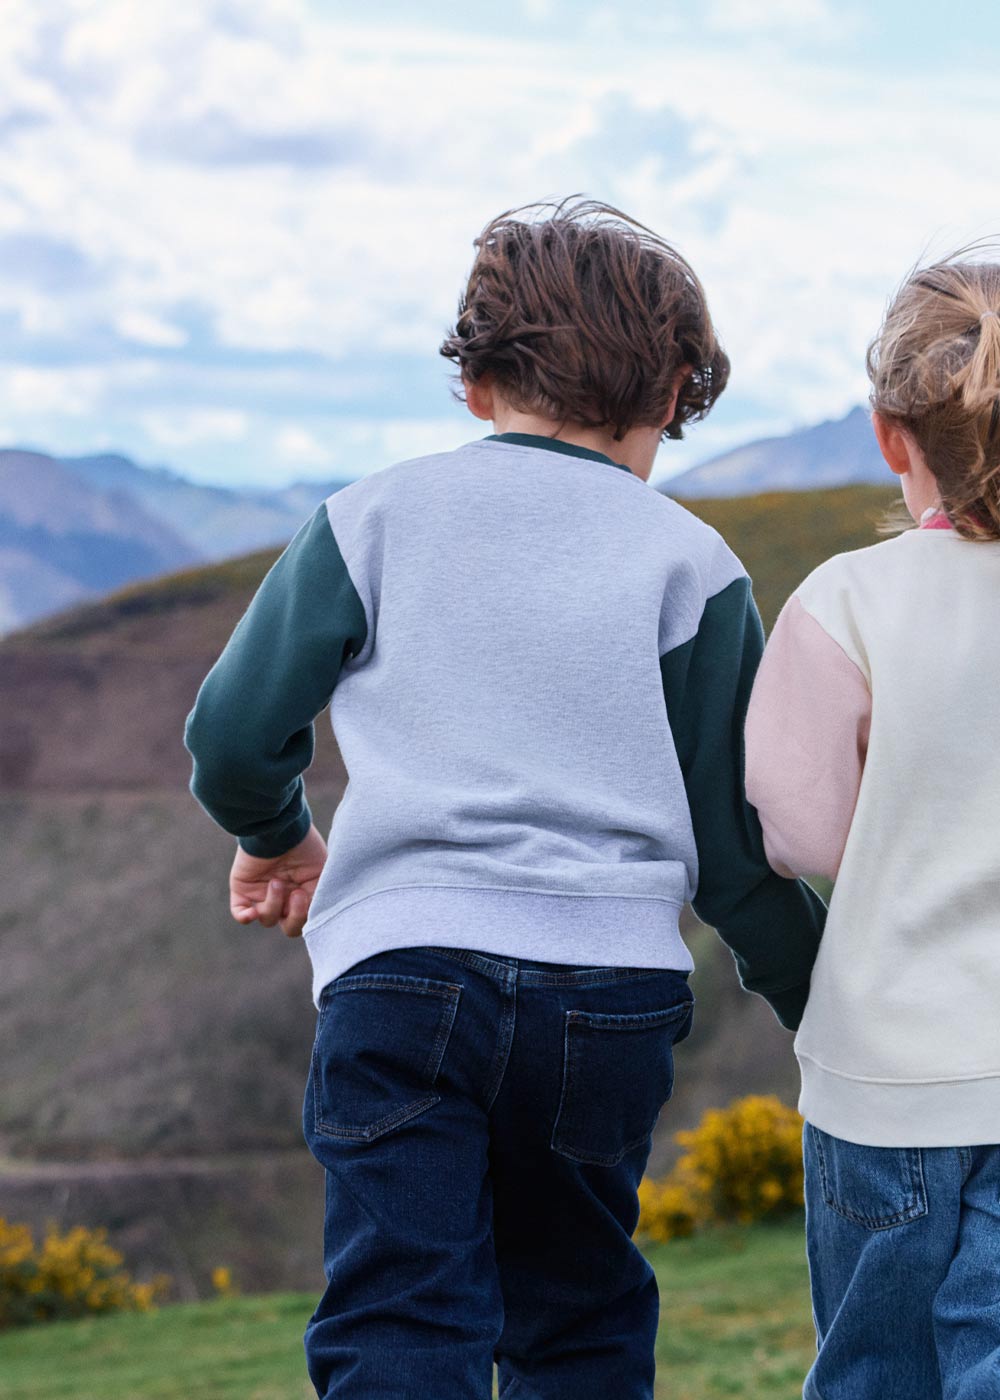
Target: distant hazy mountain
[842, 452]
[77, 527]
[218, 521]
[63, 540]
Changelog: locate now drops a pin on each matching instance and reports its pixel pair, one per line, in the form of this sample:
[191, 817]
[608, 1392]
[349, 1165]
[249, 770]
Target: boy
[539, 669]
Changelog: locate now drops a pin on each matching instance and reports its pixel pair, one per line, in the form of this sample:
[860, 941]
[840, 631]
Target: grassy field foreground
[735, 1321]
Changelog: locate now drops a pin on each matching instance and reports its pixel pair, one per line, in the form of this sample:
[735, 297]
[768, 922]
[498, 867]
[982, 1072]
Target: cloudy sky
[232, 232]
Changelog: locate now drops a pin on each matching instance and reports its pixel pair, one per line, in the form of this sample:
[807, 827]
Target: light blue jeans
[904, 1264]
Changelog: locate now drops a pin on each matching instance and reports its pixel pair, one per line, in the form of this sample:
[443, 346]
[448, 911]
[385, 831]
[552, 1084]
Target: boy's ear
[479, 398]
[683, 373]
[894, 443]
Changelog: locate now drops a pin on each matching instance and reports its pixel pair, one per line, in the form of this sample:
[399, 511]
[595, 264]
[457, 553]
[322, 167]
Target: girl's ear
[479, 398]
[894, 444]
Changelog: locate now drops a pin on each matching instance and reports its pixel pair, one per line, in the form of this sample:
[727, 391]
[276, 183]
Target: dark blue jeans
[484, 1122]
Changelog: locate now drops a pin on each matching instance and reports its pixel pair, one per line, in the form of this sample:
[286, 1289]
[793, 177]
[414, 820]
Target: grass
[735, 1318]
[735, 1321]
[184, 589]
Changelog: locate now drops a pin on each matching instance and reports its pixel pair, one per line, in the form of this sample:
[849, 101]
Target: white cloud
[303, 181]
[297, 445]
[750, 17]
[31, 392]
[187, 426]
[535, 10]
[149, 329]
[375, 443]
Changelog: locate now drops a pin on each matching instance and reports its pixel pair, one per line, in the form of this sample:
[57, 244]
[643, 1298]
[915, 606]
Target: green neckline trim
[569, 449]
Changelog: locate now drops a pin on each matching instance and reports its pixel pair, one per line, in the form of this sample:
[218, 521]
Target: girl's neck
[934, 518]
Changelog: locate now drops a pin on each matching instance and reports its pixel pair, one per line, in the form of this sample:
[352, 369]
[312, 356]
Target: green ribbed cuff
[789, 1006]
[276, 843]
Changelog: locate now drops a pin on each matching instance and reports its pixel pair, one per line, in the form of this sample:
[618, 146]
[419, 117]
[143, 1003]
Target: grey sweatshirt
[538, 669]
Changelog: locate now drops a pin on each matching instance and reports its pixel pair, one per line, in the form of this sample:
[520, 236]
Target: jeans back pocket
[618, 1072]
[876, 1187]
[380, 1040]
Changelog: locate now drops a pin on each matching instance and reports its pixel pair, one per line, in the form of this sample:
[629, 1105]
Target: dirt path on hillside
[14, 1170]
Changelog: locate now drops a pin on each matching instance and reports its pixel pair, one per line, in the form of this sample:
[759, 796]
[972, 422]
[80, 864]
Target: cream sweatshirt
[873, 757]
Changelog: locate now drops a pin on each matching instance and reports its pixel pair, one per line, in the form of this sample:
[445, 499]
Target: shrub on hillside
[745, 1161]
[743, 1164]
[222, 1282]
[667, 1211]
[70, 1274]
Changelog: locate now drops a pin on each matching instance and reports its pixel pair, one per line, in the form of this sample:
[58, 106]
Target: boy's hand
[279, 890]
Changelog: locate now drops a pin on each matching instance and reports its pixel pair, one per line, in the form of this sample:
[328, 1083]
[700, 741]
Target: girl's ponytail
[935, 370]
[978, 382]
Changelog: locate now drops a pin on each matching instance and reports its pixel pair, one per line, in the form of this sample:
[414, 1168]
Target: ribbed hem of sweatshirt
[880, 1113]
[582, 930]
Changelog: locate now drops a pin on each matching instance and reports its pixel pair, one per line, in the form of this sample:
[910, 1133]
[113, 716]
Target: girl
[873, 758]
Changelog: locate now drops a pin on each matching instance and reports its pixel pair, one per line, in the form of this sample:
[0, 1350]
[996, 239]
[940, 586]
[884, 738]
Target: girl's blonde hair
[935, 371]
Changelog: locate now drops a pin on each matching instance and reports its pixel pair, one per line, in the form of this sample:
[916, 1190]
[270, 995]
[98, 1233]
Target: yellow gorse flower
[743, 1163]
[71, 1273]
[222, 1282]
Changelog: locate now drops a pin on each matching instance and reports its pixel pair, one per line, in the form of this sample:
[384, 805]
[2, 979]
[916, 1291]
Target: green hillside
[783, 535]
[193, 588]
[735, 1321]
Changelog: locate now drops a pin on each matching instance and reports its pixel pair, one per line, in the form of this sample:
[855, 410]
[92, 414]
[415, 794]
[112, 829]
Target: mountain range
[74, 528]
[838, 452]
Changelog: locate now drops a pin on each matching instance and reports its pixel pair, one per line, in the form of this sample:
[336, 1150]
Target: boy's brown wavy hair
[583, 315]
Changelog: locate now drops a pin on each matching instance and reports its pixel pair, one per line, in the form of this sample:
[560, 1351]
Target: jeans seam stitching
[575, 1154]
[371, 1131]
[562, 1088]
[913, 1211]
[449, 993]
[533, 977]
[446, 1023]
[638, 1020]
[505, 1040]
[629, 1020]
[389, 982]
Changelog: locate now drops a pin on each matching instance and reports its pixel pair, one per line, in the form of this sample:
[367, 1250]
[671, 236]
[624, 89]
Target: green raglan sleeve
[250, 733]
[772, 925]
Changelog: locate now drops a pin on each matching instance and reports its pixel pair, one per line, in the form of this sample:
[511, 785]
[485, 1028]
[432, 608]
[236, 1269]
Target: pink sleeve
[806, 738]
